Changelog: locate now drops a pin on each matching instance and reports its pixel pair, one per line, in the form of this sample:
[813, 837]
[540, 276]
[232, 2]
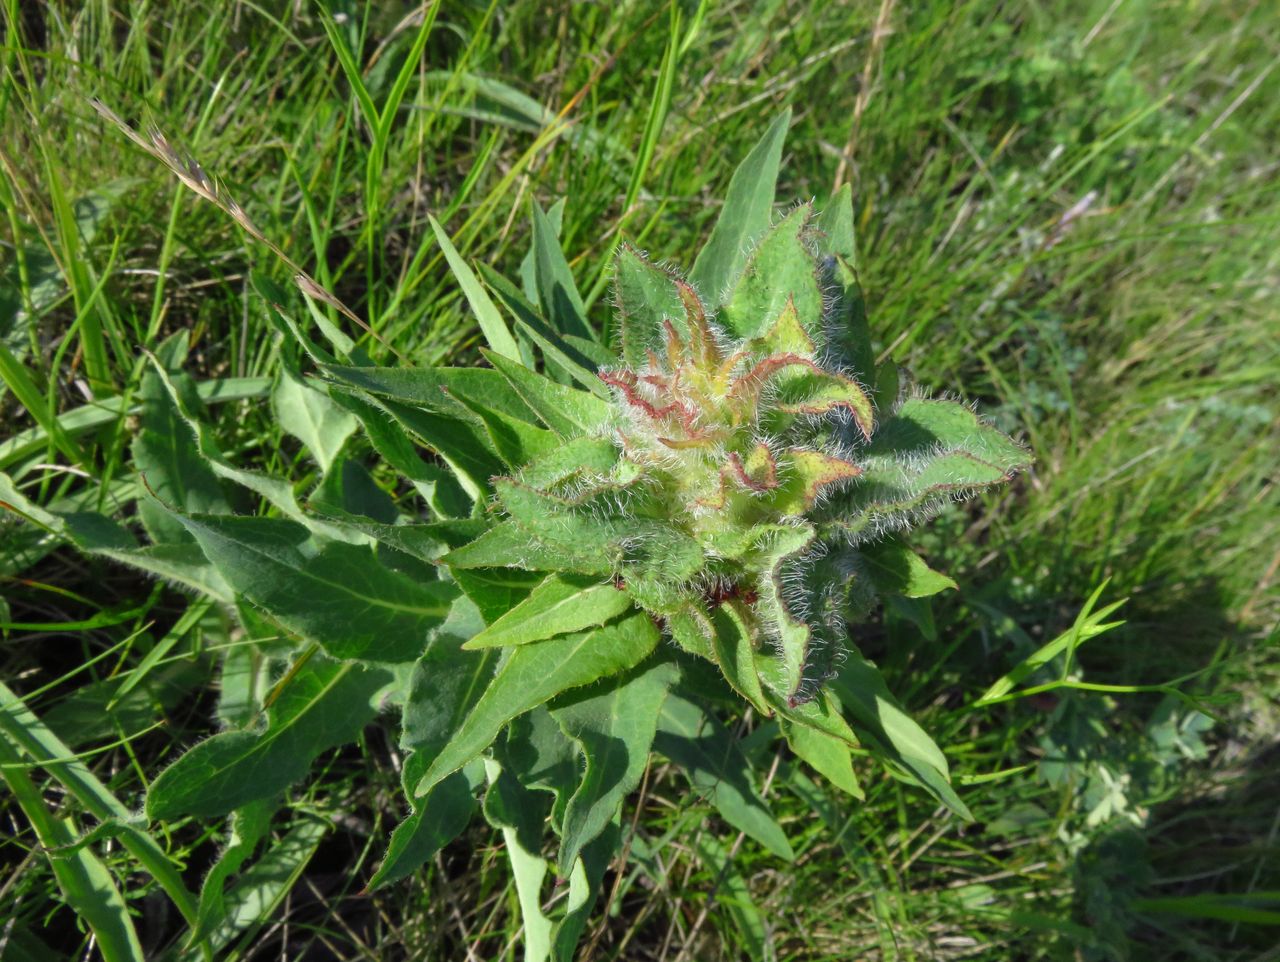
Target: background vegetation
[1068, 216]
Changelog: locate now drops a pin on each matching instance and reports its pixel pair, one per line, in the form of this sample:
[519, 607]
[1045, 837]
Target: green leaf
[439, 487]
[520, 814]
[457, 392]
[615, 729]
[337, 595]
[164, 455]
[565, 410]
[779, 272]
[322, 704]
[581, 362]
[495, 591]
[645, 295]
[896, 569]
[561, 604]
[880, 722]
[716, 768]
[257, 895]
[516, 442]
[445, 685]
[249, 825]
[747, 209]
[97, 534]
[528, 265]
[550, 936]
[734, 649]
[584, 540]
[557, 293]
[930, 452]
[86, 884]
[507, 545]
[492, 326]
[585, 880]
[433, 822]
[828, 755]
[533, 674]
[275, 490]
[311, 417]
[349, 493]
[836, 242]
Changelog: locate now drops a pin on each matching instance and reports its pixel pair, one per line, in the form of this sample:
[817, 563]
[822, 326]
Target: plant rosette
[620, 533]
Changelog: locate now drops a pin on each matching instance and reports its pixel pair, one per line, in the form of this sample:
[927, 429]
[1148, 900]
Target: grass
[1067, 216]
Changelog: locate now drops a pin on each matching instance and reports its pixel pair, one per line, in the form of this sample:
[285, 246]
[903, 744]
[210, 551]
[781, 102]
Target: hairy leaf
[310, 416]
[896, 569]
[747, 207]
[615, 729]
[533, 674]
[322, 703]
[561, 604]
[338, 595]
[716, 767]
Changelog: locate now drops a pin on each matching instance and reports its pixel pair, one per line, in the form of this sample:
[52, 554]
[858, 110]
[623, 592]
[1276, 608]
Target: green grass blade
[86, 884]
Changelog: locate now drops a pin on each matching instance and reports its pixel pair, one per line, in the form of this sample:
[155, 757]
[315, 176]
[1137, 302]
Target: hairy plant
[733, 480]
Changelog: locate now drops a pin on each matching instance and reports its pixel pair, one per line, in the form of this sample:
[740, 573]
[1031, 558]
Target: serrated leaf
[444, 686]
[550, 935]
[323, 704]
[896, 569]
[465, 446]
[97, 534]
[436, 485]
[691, 628]
[348, 491]
[561, 604]
[311, 417]
[565, 410]
[515, 441]
[582, 458]
[495, 591]
[440, 390]
[716, 767]
[533, 674]
[275, 490]
[748, 205]
[335, 594]
[581, 536]
[645, 295]
[614, 728]
[538, 754]
[806, 475]
[779, 273]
